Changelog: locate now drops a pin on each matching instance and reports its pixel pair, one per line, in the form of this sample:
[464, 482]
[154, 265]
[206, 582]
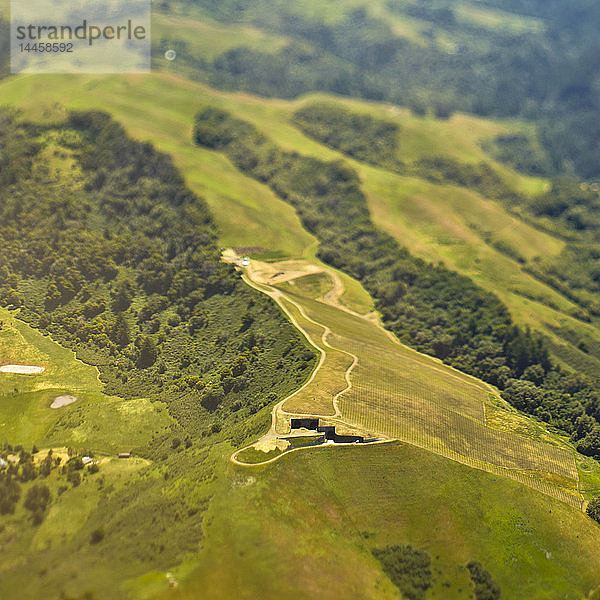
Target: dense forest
[430, 308]
[546, 74]
[106, 249]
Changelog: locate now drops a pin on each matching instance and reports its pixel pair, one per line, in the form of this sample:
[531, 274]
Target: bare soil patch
[61, 401]
[22, 369]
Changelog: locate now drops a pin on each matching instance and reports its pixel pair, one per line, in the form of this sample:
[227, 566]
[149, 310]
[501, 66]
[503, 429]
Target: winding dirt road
[271, 437]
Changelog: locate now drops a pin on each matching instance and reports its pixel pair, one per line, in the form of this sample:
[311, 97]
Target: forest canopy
[105, 248]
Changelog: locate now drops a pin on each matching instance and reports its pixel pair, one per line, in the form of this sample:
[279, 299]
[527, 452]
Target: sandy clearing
[22, 369]
[61, 401]
[267, 444]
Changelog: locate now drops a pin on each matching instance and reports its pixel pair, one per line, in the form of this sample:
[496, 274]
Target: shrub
[74, 478]
[37, 500]
[408, 569]
[97, 536]
[10, 492]
[593, 509]
[485, 586]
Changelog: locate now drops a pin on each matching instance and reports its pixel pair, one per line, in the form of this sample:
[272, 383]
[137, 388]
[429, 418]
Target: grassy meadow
[306, 525]
[95, 421]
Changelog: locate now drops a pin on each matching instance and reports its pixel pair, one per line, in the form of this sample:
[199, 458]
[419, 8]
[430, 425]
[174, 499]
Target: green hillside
[400, 164]
[436, 201]
[413, 210]
[185, 358]
[307, 525]
[368, 382]
[462, 239]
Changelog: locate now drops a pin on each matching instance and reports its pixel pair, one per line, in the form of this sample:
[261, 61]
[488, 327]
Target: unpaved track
[272, 434]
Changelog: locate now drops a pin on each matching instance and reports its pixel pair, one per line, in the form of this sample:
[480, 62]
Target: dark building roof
[328, 430]
[305, 423]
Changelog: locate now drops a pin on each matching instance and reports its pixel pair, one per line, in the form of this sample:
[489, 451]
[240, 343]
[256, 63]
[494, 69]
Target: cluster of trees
[118, 260]
[409, 569]
[547, 75]
[593, 508]
[376, 141]
[485, 587]
[522, 152]
[36, 501]
[24, 470]
[429, 307]
[358, 135]
[10, 492]
[571, 205]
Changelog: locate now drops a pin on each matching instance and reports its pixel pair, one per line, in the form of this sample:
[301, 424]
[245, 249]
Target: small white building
[87, 460]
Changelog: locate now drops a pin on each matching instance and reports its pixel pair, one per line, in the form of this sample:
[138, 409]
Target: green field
[313, 286]
[305, 525]
[299, 524]
[318, 396]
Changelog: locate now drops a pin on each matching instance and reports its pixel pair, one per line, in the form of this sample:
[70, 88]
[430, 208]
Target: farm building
[305, 424]
[328, 430]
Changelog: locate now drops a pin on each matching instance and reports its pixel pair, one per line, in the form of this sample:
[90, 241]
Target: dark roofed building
[328, 431]
[305, 424]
